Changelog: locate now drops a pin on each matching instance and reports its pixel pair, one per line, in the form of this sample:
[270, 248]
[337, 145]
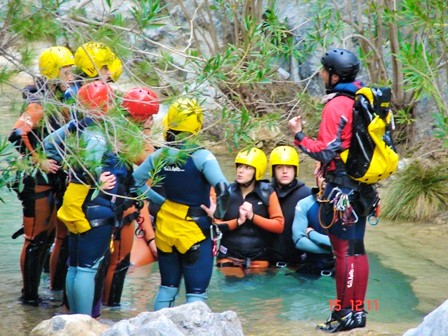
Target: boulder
[434, 324]
[189, 319]
[69, 325]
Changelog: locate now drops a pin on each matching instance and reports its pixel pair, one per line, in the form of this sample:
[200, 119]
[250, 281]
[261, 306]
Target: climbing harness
[342, 208]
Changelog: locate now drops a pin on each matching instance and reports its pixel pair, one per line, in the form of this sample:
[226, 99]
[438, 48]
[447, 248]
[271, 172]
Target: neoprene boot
[83, 290]
[193, 297]
[116, 288]
[69, 287]
[165, 297]
[32, 270]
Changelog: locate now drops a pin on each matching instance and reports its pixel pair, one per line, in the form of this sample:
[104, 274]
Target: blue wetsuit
[317, 243]
[182, 227]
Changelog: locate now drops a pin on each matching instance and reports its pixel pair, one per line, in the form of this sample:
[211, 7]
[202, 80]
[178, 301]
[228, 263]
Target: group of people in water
[94, 185]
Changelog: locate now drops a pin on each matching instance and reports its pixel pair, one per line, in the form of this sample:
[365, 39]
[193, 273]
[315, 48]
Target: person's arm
[141, 175]
[275, 223]
[25, 125]
[300, 224]
[332, 136]
[320, 239]
[53, 142]
[207, 163]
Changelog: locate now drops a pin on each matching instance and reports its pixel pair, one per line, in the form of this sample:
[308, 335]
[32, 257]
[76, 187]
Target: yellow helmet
[53, 59]
[92, 56]
[255, 158]
[284, 155]
[184, 115]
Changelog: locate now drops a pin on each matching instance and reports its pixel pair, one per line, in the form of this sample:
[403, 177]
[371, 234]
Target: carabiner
[139, 232]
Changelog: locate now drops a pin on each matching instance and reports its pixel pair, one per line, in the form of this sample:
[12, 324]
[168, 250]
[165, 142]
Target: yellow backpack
[371, 156]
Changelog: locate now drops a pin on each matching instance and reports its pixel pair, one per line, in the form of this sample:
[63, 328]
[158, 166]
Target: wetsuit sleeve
[25, 125]
[207, 163]
[53, 143]
[276, 221]
[141, 175]
[331, 138]
[299, 226]
[227, 225]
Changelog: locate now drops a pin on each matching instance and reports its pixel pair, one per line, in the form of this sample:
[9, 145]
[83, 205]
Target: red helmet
[141, 102]
[95, 96]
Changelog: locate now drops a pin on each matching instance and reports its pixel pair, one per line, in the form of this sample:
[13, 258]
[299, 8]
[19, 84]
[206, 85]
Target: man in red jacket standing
[346, 202]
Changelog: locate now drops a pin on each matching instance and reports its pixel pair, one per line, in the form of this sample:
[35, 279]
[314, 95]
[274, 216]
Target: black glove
[222, 199]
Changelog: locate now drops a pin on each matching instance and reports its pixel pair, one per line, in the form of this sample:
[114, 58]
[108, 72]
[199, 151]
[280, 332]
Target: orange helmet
[141, 102]
[95, 96]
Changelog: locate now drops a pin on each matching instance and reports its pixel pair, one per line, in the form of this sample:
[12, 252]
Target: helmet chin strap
[245, 185]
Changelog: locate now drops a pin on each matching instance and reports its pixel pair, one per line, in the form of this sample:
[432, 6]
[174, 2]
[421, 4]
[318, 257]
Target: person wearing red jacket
[346, 202]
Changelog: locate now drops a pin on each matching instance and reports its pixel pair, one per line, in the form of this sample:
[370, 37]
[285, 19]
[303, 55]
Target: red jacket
[335, 130]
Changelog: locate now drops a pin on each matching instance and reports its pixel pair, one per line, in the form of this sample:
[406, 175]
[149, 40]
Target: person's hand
[210, 210]
[107, 180]
[247, 207]
[49, 166]
[242, 217]
[295, 125]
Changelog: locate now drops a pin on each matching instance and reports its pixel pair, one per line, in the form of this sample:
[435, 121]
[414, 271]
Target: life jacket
[248, 241]
[80, 211]
[284, 248]
[178, 180]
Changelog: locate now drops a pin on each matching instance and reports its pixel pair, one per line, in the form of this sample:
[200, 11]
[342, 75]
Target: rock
[69, 325]
[434, 324]
[189, 319]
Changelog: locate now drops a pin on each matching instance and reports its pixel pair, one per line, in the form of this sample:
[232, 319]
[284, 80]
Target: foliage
[235, 47]
[418, 192]
[13, 168]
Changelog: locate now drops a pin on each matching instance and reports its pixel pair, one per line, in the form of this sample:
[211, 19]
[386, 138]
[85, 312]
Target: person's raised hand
[295, 125]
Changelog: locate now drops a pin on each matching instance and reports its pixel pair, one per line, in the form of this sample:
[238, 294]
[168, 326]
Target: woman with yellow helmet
[96, 60]
[40, 192]
[253, 219]
[183, 229]
[284, 169]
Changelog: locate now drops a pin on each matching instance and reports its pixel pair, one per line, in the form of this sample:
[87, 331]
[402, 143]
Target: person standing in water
[339, 70]
[284, 169]
[253, 218]
[185, 234]
[40, 193]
